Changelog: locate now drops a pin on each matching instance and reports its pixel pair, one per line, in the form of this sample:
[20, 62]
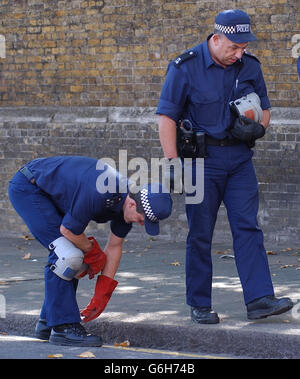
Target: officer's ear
[128, 205]
[216, 38]
[131, 203]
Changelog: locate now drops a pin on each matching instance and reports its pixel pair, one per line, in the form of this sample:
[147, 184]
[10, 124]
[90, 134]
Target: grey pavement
[148, 307]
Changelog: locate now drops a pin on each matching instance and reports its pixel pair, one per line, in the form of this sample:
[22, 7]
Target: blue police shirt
[73, 185]
[200, 90]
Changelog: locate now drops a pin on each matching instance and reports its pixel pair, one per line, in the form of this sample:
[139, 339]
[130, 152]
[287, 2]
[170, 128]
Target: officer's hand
[247, 130]
[95, 258]
[173, 174]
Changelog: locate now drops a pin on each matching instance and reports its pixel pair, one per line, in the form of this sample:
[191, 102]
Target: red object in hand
[95, 258]
[103, 290]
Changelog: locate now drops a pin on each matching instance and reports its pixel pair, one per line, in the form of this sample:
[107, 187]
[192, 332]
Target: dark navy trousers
[229, 176]
[43, 220]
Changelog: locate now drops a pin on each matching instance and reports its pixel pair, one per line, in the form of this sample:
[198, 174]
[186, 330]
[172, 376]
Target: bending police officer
[57, 197]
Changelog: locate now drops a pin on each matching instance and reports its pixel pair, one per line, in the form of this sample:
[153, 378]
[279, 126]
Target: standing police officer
[57, 197]
[199, 86]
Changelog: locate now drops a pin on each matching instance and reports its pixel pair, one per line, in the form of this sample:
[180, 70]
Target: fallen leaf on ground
[175, 264]
[27, 256]
[55, 355]
[28, 238]
[123, 344]
[86, 354]
[286, 266]
[270, 252]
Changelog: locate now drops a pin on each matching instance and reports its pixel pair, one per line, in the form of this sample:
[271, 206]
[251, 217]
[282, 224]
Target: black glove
[247, 130]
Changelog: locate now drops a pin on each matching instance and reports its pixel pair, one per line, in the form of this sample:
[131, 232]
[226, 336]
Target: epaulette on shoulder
[184, 57]
[251, 56]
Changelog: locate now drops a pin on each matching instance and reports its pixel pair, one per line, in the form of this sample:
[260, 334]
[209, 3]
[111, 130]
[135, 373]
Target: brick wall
[84, 77]
[115, 52]
[27, 133]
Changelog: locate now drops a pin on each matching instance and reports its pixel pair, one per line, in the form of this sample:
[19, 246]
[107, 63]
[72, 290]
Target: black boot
[73, 335]
[268, 306]
[204, 315]
[42, 331]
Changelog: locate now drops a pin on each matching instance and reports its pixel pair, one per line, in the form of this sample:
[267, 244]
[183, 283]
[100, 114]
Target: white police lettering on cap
[244, 28]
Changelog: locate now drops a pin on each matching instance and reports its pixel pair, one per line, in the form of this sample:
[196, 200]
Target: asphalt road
[149, 307]
[21, 347]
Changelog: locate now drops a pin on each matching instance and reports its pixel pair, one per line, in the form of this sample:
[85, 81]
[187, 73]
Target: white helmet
[248, 106]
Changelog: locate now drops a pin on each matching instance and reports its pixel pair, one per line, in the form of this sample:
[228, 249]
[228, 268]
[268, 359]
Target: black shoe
[73, 335]
[204, 315]
[42, 331]
[268, 306]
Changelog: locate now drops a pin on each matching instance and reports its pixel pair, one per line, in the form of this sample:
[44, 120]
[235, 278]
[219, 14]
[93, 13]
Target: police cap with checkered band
[235, 25]
[156, 203]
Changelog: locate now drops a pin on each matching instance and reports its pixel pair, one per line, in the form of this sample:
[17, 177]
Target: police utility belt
[193, 144]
